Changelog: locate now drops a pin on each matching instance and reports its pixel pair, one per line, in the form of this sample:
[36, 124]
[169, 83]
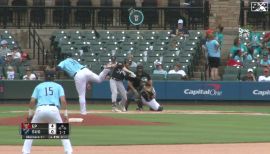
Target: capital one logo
[209, 90]
[259, 6]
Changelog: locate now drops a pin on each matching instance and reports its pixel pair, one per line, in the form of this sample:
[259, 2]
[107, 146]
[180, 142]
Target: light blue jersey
[212, 49]
[48, 93]
[70, 66]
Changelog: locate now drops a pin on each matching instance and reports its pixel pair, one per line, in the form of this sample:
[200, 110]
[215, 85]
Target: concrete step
[197, 74]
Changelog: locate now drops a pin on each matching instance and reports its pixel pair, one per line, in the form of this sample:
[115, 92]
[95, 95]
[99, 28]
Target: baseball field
[189, 129]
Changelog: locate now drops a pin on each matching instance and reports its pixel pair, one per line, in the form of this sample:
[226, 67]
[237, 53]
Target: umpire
[135, 86]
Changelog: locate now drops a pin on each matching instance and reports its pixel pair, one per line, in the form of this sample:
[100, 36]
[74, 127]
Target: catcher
[148, 96]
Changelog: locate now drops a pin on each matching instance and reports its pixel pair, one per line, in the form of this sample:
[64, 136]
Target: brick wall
[224, 12]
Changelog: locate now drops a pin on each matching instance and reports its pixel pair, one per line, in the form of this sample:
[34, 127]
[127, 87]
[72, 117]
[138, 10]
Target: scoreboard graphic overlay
[44, 130]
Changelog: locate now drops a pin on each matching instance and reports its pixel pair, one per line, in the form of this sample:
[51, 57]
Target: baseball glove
[148, 93]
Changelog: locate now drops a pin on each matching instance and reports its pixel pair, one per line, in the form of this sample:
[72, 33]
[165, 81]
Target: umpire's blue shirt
[70, 66]
[48, 93]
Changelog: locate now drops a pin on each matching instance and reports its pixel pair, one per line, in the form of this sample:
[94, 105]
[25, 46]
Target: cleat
[114, 109]
[83, 113]
[139, 109]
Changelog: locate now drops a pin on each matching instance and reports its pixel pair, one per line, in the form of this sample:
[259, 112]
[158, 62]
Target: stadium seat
[174, 77]
[158, 76]
[231, 70]
[230, 77]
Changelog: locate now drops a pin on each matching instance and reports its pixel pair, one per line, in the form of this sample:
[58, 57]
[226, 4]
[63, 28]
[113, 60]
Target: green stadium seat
[152, 59]
[259, 71]
[231, 70]
[158, 76]
[230, 77]
[174, 77]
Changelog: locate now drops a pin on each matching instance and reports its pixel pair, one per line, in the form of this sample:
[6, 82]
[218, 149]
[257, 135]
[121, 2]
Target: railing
[259, 20]
[101, 17]
[36, 43]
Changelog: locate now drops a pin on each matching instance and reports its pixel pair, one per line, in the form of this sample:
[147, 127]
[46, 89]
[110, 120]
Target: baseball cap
[180, 21]
[9, 54]
[209, 31]
[4, 42]
[158, 63]
[250, 70]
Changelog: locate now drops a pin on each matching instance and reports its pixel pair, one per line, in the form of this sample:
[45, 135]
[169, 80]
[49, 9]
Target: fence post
[206, 10]
[242, 16]
[29, 35]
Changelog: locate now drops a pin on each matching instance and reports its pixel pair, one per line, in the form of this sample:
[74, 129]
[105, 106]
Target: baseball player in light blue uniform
[46, 96]
[82, 76]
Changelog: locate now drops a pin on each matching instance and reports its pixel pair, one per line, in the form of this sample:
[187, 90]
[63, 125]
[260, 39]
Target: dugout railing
[36, 43]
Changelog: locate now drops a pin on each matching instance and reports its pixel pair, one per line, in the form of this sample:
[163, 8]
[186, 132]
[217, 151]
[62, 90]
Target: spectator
[29, 75]
[237, 45]
[180, 30]
[159, 69]
[25, 56]
[130, 61]
[3, 51]
[265, 77]
[209, 32]
[255, 45]
[268, 49]
[238, 56]
[177, 70]
[16, 52]
[10, 74]
[214, 54]
[266, 37]
[219, 35]
[8, 59]
[249, 76]
[265, 62]
[16, 55]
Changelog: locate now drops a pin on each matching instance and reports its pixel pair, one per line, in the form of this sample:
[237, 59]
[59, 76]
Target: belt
[78, 71]
[116, 79]
[48, 105]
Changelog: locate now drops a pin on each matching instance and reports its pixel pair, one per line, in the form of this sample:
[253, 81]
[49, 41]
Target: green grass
[182, 129]
[178, 129]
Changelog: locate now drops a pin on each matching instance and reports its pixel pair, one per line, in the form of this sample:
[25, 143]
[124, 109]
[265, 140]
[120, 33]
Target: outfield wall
[166, 90]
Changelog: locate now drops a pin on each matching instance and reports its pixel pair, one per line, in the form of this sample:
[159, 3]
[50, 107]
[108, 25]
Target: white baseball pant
[82, 78]
[46, 114]
[152, 104]
[118, 86]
